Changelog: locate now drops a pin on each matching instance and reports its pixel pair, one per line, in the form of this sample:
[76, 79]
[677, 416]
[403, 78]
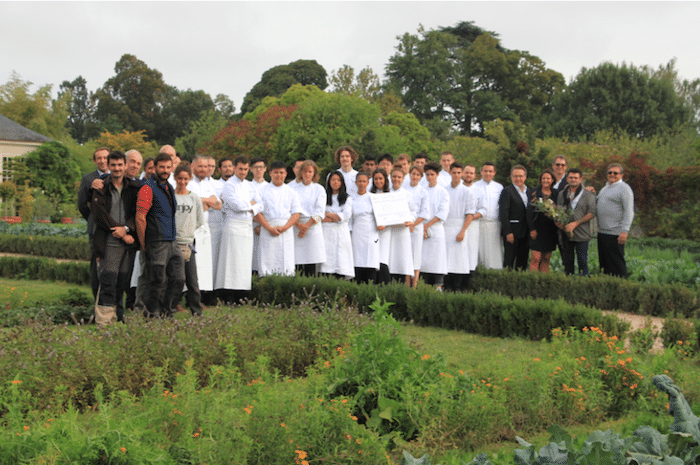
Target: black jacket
[101, 206]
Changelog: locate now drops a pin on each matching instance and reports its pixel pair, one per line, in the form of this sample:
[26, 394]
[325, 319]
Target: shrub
[73, 248]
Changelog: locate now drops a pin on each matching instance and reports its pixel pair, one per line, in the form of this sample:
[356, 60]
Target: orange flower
[425, 357]
[537, 359]
[123, 449]
[16, 381]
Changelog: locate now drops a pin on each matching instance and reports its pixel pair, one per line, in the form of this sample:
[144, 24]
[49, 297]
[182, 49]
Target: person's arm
[628, 213]
[467, 221]
[143, 205]
[290, 222]
[84, 197]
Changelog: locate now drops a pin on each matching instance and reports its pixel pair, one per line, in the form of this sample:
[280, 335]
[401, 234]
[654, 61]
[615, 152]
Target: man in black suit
[100, 160]
[512, 208]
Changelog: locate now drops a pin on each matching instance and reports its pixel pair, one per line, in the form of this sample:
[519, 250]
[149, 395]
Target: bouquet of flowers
[560, 215]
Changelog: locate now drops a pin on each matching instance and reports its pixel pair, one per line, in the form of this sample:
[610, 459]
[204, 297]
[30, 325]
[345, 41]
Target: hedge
[45, 269]
[604, 292]
[72, 248]
[487, 313]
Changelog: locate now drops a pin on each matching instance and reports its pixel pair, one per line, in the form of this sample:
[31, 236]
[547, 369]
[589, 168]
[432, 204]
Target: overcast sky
[224, 47]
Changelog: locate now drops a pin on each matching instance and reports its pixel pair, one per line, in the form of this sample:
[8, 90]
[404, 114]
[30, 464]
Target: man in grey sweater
[577, 232]
[615, 213]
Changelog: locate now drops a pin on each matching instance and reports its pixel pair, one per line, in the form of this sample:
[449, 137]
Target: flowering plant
[561, 215]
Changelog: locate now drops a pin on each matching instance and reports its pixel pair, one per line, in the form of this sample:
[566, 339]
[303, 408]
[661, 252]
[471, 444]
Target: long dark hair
[342, 192]
[386, 181]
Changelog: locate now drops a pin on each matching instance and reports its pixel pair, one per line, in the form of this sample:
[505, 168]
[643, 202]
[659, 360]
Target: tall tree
[36, 111]
[463, 75]
[132, 99]
[365, 85]
[180, 110]
[80, 109]
[624, 98]
[54, 171]
[200, 133]
[275, 81]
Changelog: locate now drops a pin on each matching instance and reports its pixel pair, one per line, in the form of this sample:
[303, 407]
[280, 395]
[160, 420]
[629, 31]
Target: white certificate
[390, 208]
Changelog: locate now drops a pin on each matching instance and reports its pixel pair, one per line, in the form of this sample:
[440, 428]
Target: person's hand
[533, 234]
[571, 226]
[460, 237]
[97, 183]
[257, 230]
[510, 238]
[128, 239]
[381, 228]
[333, 217]
[273, 231]
[118, 232]
[622, 238]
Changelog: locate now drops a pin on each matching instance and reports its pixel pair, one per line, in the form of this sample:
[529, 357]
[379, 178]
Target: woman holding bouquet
[543, 231]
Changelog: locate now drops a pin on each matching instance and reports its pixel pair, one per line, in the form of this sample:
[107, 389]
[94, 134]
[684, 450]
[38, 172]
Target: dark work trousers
[166, 270]
[580, 249]
[383, 275]
[193, 297]
[365, 275]
[433, 279]
[611, 255]
[114, 275]
[516, 253]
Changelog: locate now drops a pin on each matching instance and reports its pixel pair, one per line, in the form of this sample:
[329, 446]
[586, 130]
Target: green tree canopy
[80, 123]
[54, 171]
[132, 99]
[462, 75]
[626, 99]
[365, 85]
[36, 111]
[200, 132]
[275, 81]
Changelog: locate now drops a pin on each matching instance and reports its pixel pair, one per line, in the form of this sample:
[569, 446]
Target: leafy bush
[60, 365]
[483, 313]
[73, 248]
[680, 334]
[45, 229]
[45, 269]
[604, 292]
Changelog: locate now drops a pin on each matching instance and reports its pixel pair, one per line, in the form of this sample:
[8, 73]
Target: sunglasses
[614, 172]
[560, 164]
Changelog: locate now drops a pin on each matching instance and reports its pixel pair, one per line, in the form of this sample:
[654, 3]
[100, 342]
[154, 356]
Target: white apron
[136, 272]
[365, 241]
[384, 245]
[312, 247]
[203, 244]
[339, 259]
[235, 256]
[400, 253]
[434, 259]
[490, 247]
[457, 252]
[216, 229]
[276, 252]
[472, 238]
[417, 245]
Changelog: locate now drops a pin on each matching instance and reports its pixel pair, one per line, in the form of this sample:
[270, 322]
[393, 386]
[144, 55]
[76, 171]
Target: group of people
[177, 226]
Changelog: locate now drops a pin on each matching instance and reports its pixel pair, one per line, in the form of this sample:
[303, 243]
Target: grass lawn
[28, 293]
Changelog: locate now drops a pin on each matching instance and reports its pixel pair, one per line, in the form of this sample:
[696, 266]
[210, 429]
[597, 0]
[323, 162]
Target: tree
[626, 99]
[275, 81]
[365, 85]
[462, 75]
[125, 141]
[201, 132]
[225, 106]
[131, 100]
[250, 137]
[36, 111]
[80, 109]
[180, 110]
[325, 121]
[54, 171]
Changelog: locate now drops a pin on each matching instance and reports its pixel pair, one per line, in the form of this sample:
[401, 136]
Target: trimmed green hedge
[487, 314]
[45, 269]
[604, 292]
[71, 248]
